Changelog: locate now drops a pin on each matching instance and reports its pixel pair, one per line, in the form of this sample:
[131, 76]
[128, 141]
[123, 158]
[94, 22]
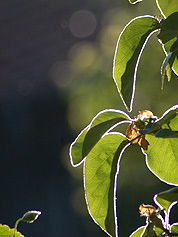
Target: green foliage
[171, 61]
[138, 232]
[174, 228]
[168, 35]
[100, 147]
[158, 225]
[167, 7]
[88, 138]
[129, 48]
[162, 158]
[103, 157]
[101, 168]
[6, 231]
[165, 200]
[169, 28]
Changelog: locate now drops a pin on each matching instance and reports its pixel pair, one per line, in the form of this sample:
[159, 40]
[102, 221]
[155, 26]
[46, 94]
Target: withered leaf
[135, 137]
[146, 210]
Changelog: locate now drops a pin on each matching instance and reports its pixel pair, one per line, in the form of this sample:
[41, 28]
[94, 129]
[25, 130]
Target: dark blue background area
[33, 125]
[33, 128]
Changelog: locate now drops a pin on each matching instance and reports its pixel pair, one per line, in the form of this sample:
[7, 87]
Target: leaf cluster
[100, 146]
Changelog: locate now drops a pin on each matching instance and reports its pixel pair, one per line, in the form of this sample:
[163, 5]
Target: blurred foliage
[86, 79]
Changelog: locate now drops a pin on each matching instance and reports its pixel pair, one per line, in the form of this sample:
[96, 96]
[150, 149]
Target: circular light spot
[84, 55]
[82, 23]
[61, 73]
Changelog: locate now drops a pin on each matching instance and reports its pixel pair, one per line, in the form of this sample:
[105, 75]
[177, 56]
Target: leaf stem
[16, 224]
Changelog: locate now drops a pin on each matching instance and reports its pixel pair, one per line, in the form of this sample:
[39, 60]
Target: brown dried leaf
[143, 143]
[132, 134]
[147, 210]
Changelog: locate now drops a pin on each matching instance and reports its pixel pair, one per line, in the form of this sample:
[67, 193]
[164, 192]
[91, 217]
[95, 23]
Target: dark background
[55, 75]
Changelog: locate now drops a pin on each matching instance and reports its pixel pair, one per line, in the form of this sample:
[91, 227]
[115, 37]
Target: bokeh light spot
[82, 23]
[84, 55]
[61, 73]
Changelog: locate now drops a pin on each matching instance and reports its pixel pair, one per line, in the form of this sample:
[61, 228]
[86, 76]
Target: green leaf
[165, 200]
[166, 118]
[138, 232]
[174, 228]
[174, 46]
[5, 231]
[100, 179]
[162, 158]
[166, 133]
[149, 231]
[76, 157]
[88, 138]
[158, 231]
[154, 127]
[167, 7]
[166, 69]
[134, 1]
[148, 128]
[173, 61]
[169, 28]
[129, 48]
[162, 153]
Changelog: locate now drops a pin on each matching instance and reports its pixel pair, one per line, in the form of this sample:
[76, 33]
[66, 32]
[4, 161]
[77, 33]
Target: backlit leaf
[100, 175]
[174, 227]
[138, 232]
[166, 69]
[162, 158]
[154, 127]
[149, 231]
[162, 153]
[166, 118]
[88, 138]
[129, 48]
[173, 61]
[166, 199]
[167, 7]
[76, 148]
[5, 231]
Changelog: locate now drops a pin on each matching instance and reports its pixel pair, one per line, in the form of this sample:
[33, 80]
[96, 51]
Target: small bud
[145, 115]
[31, 216]
[147, 210]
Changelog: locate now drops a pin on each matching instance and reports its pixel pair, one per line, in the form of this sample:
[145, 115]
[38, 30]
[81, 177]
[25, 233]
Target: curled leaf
[165, 69]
